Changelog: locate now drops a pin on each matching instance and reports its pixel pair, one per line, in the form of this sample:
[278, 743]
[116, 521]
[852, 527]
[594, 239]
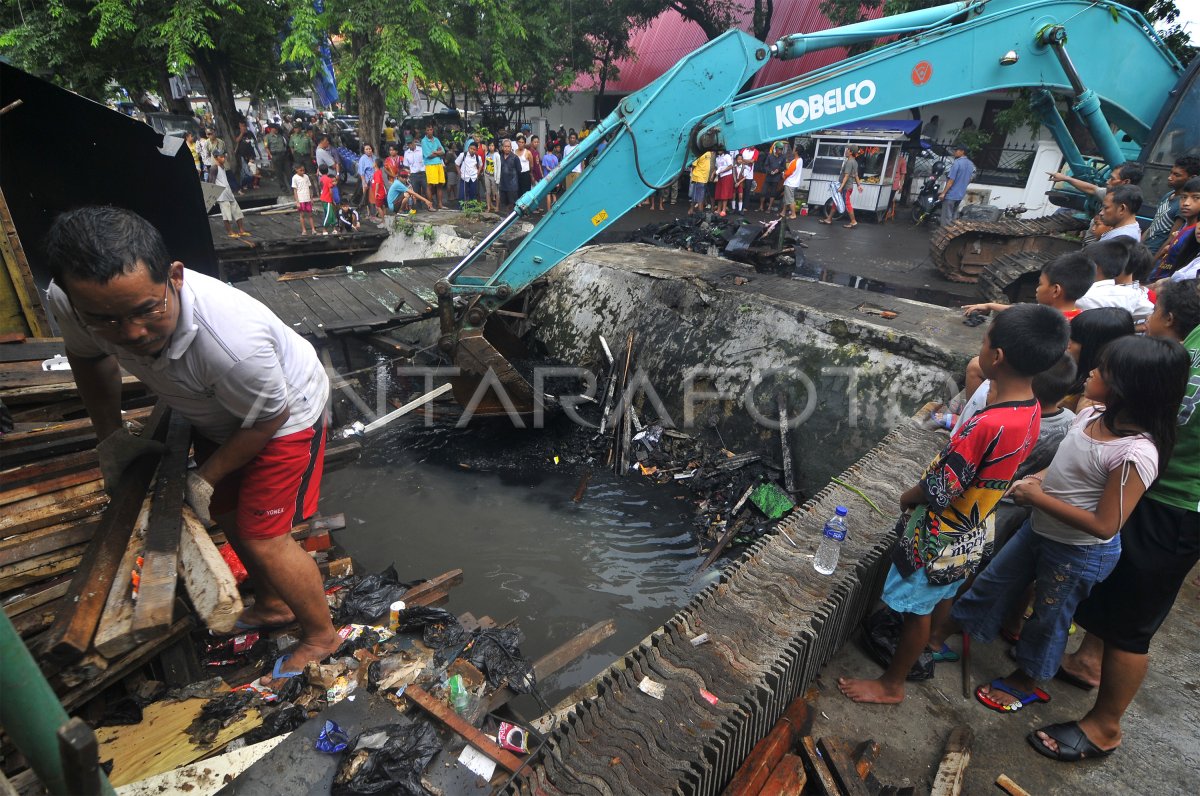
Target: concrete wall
[852, 381]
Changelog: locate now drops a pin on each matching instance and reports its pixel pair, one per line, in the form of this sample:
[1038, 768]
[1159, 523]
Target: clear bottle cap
[842, 511]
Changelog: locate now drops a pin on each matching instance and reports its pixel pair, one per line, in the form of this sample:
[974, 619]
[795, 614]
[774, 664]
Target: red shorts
[277, 489]
[304, 207]
[847, 194]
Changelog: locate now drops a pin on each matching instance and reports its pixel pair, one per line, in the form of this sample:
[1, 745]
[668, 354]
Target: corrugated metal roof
[669, 37]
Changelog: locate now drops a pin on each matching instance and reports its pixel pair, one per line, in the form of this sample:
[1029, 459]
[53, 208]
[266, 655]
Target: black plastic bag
[418, 617]
[387, 759]
[881, 633]
[496, 652]
[276, 720]
[368, 598]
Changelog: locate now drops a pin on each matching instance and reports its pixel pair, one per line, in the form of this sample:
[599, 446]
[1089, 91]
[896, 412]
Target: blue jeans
[1064, 575]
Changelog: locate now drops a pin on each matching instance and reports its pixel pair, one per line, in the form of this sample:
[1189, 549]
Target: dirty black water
[503, 512]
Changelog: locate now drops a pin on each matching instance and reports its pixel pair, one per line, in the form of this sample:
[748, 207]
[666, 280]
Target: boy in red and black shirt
[944, 530]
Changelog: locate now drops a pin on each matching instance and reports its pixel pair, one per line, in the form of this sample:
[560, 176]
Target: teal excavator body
[1117, 72]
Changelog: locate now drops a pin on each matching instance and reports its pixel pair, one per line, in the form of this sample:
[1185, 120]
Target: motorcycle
[928, 203]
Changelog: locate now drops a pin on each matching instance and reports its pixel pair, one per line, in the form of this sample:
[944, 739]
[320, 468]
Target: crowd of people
[1068, 491]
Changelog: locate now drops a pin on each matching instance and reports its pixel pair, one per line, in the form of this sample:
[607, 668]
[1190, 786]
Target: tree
[88, 45]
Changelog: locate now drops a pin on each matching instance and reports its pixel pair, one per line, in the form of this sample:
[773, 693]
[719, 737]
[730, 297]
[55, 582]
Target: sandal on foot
[1033, 697]
[1070, 679]
[826, 221]
[945, 654]
[850, 226]
[1073, 743]
[278, 673]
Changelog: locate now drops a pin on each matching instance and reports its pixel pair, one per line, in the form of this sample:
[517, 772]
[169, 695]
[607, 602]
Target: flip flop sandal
[278, 674]
[850, 226]
[1073, 743]
[1064, 676]
[945, 654]
[1033, 697]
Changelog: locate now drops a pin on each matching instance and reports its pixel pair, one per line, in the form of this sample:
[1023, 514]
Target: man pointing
[252, 389]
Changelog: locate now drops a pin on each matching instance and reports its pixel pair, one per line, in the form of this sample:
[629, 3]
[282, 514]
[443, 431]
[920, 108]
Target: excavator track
[1001, 281]
[962, 250]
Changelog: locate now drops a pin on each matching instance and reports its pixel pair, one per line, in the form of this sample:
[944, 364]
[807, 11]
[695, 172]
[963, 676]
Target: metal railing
[1003, 165]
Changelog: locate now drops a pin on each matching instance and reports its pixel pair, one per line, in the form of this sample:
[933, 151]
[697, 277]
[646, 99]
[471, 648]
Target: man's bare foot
[307, 652]
[1102, 739]
[265, 616]
[871, 691]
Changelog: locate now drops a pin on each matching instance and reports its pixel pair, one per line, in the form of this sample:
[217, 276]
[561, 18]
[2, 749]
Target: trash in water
[368, 598]
[772, 501]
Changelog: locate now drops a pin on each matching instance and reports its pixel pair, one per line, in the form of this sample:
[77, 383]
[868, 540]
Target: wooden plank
[11, 496]
[787, 778]
[50, 498]
[433, 591]
[329, 296]
[839, 757]
[21, 275]
[287, 305]
[39, 471]
[411, 298]
[385, 300]
[816, 766]
[39, 595]
[60, 428]
[206, 576]
[114, 633]
[117, 669]
[47, 540]
[339, 290]
[952, 771]
[1004, 783]
[756, 769]
[78, 749]
[18, 526]
[32, 349]
[160, 570]
[33, 622]
[443, 713]
[71, 635]
[559, 657]
[160, 742]
[35, 568]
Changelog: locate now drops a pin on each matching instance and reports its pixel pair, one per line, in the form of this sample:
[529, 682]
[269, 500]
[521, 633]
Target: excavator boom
[1118, 70]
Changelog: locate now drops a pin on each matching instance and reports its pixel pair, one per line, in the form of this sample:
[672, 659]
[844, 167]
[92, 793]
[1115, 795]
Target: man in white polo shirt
[253, 390]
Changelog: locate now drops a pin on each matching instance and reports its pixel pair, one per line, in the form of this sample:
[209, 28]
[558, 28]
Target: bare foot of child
[871, 691]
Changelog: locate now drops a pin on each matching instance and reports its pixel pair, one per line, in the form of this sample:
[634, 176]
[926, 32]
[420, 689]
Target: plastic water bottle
[830, 550]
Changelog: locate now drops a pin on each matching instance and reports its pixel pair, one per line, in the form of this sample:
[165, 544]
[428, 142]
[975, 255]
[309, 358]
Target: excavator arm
[938, 54]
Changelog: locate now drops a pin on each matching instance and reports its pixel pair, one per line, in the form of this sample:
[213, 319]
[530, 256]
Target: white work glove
[199, 495]
[119, 450]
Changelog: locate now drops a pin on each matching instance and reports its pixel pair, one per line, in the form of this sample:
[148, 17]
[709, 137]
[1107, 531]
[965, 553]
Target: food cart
[878, 145]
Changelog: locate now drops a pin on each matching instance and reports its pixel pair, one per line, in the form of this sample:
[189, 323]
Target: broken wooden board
[206, 577]
[71, 697]
[160, 569]
[952, 771]
[51, 498]
[35, 597]
[559, 657]
[787, 778]
[756, 769]
[839, 757]
[17, 526]
[206, 777]
[446, 715]
[114, 634]
[37, 568]
[433, 591]
[160, 741]
[72, 632]
[826, 786]
[13, 497]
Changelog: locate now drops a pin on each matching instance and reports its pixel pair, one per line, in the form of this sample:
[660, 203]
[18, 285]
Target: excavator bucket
[489, 384]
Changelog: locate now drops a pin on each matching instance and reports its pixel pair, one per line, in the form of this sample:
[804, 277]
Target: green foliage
[973, 140]
[472, 208]
[1019, 114]
[406, 226]
[428, 233]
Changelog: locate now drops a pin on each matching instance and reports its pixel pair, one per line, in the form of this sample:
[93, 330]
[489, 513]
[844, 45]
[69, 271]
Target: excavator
[1118, 75]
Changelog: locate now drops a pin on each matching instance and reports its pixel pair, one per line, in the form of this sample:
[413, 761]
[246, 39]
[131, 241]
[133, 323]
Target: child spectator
[944, 533]
[1113, 452]
[701, 174]
[347, 218]
[1161, 545]
[402, 196]
[1182, 246]
[1166, 215]
[1120, 265]
[1062, 282]
[302, 191]
[230, 210]
[743, 180]
[549, 164]
[1177, 311]
[1090, 332]
[328, 183]
[723, 191]
[491, 178]
[252, 170]
[379, 190]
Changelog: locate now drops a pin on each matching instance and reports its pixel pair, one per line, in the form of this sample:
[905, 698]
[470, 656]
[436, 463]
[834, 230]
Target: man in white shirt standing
[572, 142]
[253, 390]
[414, 161]
[1119, 212]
